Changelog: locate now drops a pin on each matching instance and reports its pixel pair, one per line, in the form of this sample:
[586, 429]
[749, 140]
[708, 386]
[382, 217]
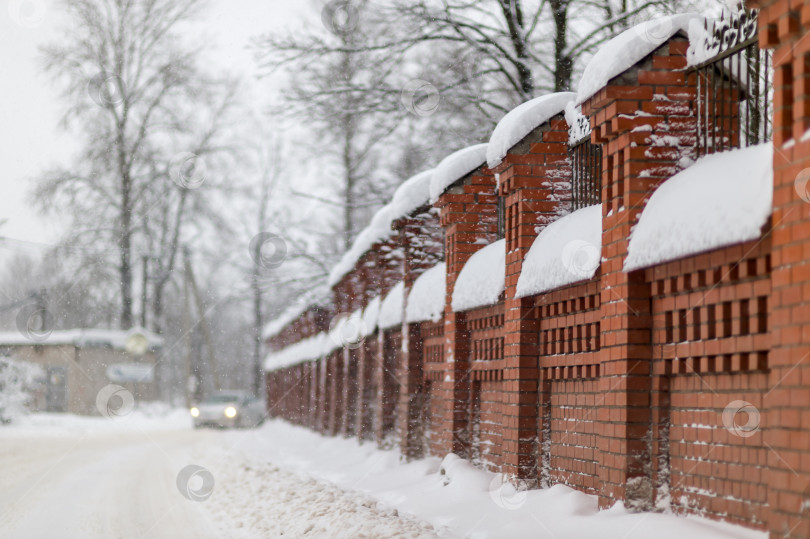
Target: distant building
[78, 363]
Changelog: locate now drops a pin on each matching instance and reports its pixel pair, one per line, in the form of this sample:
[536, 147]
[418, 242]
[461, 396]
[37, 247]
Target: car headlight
[230, 411]
[195, 412]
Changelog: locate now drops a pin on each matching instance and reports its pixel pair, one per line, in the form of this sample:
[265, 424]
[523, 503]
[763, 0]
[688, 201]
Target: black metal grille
[586, 162]
[734, 102]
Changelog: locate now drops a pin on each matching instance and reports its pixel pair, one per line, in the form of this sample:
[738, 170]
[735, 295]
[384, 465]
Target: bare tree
[133, 91]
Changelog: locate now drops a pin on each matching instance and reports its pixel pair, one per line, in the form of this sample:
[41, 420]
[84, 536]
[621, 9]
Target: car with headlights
[229, 409]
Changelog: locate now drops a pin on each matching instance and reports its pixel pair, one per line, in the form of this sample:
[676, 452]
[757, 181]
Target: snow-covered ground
[66, 476]
[458, 499]
[70, 476]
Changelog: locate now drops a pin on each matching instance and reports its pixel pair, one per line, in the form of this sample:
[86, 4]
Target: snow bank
[370, 315]
[566, 251]
[723, 199]
[482, 279]
[391, 308]
[308, 349]
[521, 120]
[114, 338]
[426, 298]
[454, 167]
[460, 500]
[409, 196]
[628, 48]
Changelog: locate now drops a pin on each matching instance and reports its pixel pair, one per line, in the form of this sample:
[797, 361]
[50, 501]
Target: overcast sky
[30, 138]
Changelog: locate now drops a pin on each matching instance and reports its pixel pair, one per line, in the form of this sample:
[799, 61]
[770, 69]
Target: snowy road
[121, 483]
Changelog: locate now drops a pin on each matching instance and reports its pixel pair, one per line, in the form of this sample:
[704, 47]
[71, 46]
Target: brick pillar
[421, 240]
[784, 26]
[639, 152]
[324, 387]
[535, 181]
[469, 218]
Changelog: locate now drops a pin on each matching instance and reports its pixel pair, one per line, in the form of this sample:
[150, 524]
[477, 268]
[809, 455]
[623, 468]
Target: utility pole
[190, 392]
[145, 279]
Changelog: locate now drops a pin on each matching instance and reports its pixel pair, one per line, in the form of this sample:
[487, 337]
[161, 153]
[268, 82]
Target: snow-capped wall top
[426, 299]
[378, 230]
[723, 199]
[454, 167]
[370, 315]
[521, 120]
[114, 338]
[481, 280]
[391, 308]
[566, 251]
[308, 349]
[318, 295]
[409, 196]
[414, 192]
[628, 48]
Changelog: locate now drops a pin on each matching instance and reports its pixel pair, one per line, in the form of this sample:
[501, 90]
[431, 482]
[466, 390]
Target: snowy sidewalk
[451, 495]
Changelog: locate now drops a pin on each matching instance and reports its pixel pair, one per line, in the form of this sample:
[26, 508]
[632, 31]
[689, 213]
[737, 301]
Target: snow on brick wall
[454, 167]
[627, 49]
[409, 196]
[306, 350]
[566, 251]
[391, 308]
[723, 199]
[370, 314]
[481, 280]
[426, 299]
[521, 121]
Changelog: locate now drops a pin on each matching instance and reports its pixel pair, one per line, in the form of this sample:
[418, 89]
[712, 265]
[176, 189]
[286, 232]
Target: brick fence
[672, 382]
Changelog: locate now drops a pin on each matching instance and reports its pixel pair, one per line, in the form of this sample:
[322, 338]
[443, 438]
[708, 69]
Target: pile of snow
[370, 315]
[308, 349]
[723, 199]
[626, 50]
[482, 279]
[391, 308]
[426, 298]
[409, 196]
[460, 500]
[114, 338]
[566, 251]
[17, 381]
[521, 121]
[454, 167]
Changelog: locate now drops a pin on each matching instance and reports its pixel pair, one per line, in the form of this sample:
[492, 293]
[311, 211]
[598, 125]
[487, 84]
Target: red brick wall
[682, 386]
